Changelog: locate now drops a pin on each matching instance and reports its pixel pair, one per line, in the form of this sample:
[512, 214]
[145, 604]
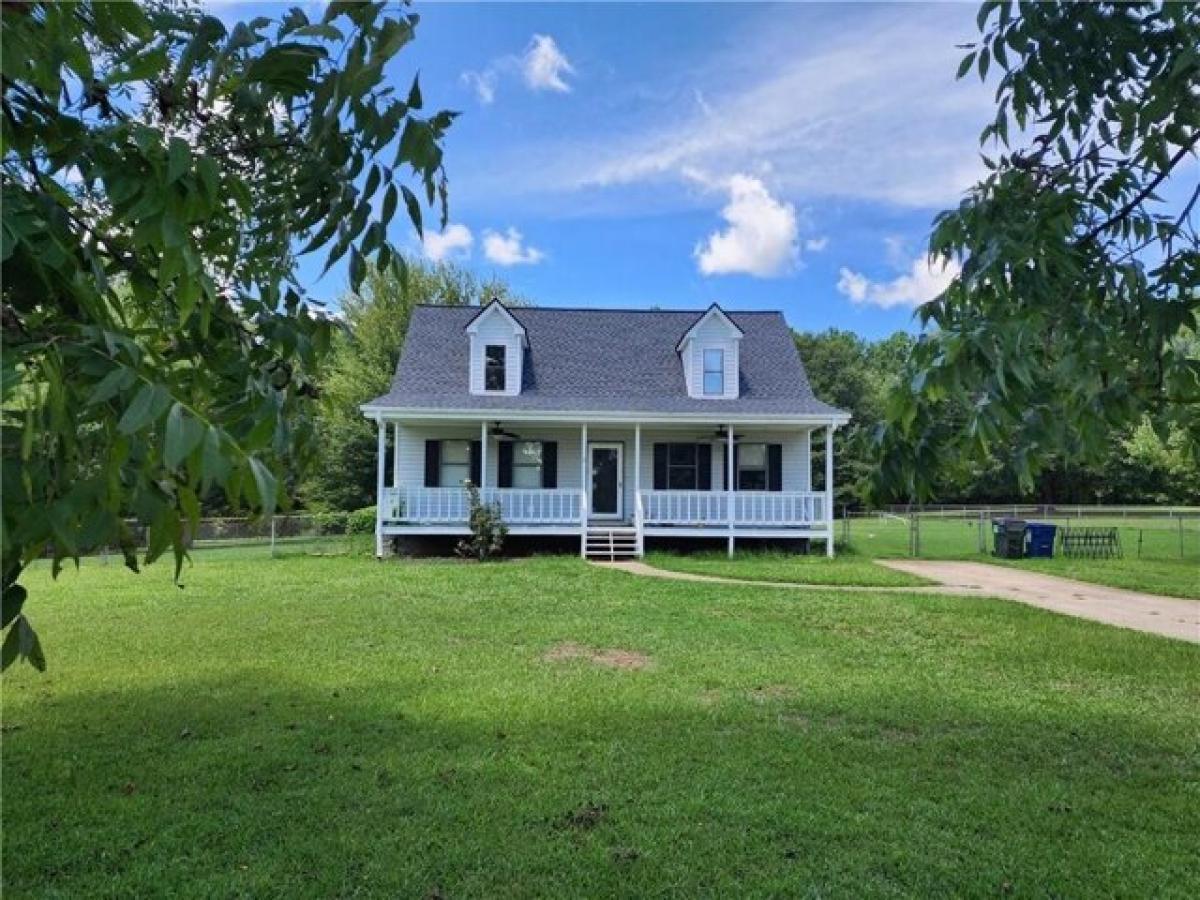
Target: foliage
[361, 521]
[1135, 466]
[488, 530]
[360, 365]
[943, 746]
[1075, 312]
[162, 175]
[856, 375]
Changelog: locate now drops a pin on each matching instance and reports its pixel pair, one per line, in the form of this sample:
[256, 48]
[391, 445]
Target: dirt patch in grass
[765, 693]
[610, 657]
[585, 818]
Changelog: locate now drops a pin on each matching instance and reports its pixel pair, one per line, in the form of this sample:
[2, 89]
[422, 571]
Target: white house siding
[797, 460]
[711, 335]
[495, 329]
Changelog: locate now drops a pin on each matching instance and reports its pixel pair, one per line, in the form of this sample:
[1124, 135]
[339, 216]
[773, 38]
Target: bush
[488, 530]
[361, 521]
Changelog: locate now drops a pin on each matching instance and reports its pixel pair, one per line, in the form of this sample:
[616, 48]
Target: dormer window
[493, 371]
[714, 372]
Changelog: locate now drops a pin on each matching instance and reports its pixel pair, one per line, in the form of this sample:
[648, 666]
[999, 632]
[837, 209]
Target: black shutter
[476, 463]
[549, 464]
[774, 467]
[660, 467]
[704, 467]
[504, 475]
[433, 463]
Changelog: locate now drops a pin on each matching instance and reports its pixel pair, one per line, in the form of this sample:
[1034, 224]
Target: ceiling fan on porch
[498, 431]
[723, 433]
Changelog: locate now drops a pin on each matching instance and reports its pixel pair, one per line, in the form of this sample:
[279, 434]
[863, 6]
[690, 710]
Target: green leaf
[11, 650]
[179, 159]
[389, 204]
[965, 66]
[265, 484]
[414, 210]
[110, 385]
[148, 403]
[214, 464]
[10, 604]
[184, 434]
[414, 94]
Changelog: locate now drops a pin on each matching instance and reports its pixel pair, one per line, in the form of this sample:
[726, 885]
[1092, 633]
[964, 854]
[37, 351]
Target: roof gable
[493, 309]
[714, 312]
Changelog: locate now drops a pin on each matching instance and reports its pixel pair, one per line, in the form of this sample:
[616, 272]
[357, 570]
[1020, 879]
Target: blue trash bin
[1039, 539]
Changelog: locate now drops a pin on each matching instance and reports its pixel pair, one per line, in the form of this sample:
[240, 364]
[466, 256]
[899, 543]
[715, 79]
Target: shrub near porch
[333, 726]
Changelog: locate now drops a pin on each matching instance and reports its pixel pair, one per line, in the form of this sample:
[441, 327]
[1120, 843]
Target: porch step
[618, 542]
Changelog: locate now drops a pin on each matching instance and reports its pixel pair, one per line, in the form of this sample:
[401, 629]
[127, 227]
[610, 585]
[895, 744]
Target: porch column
[396, 455]
[483, 436]
[637, 483]
[381, 453]
[583, 489]
[829, 490]
[729, 482]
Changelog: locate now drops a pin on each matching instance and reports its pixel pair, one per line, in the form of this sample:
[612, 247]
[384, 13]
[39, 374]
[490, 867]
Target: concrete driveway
[1168, 616]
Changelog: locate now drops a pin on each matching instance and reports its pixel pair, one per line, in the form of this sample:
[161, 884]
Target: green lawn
[318, 727]
[844, 569]
[1161, 569]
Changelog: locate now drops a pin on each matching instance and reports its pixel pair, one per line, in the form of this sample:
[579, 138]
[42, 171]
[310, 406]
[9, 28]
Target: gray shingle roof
[603, 360]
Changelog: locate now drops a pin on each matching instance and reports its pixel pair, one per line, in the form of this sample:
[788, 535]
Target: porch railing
[750, 508]
[450, 505]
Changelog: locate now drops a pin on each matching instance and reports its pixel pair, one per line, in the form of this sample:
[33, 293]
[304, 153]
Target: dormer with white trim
[498, 345]
[710, 353]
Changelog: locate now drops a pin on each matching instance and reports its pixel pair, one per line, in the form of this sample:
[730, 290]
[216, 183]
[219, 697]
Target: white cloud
[760, 238]
[482, 83]
[926, 279]
[508, 249]
[871, 113]
[816, 244]
[454, 241]
[544, 65]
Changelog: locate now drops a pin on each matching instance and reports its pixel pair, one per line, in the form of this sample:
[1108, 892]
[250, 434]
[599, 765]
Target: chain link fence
[958, 532]
[333, 533]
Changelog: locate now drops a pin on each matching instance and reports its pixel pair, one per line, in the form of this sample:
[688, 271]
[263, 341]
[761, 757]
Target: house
[612, 426]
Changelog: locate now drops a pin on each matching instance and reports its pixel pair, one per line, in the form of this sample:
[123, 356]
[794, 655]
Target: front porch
[604, 481]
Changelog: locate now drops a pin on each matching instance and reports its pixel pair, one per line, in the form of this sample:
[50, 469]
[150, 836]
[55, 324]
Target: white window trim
[705, 371]
[503, 369]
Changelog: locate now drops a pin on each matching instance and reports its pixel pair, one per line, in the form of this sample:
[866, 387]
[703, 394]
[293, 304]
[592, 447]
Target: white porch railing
[750, 508]
[683, 507]
[450, 505]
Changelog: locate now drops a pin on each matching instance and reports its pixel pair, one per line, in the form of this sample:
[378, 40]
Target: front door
[607, 481]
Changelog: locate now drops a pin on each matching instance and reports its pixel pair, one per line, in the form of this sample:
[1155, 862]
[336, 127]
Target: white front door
[608, 481]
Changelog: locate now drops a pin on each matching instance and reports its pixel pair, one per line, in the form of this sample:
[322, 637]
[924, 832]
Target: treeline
[855, 374]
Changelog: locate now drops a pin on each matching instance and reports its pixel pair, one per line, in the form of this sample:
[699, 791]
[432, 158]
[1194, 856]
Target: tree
[162, 175]
[856, 375]
[1075, 313]
[360, 366]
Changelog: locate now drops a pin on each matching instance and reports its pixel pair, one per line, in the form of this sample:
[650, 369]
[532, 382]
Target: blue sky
[673, 155]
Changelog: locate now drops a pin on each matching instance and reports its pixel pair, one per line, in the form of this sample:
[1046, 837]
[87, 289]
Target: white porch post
[829, 490]
[637, 483]
[379, 487]
[729, 483]
[396, 455]
[583, 489]
[483, 448]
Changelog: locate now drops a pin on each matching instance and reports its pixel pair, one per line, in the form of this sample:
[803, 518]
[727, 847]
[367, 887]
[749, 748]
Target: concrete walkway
[1167, 616]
